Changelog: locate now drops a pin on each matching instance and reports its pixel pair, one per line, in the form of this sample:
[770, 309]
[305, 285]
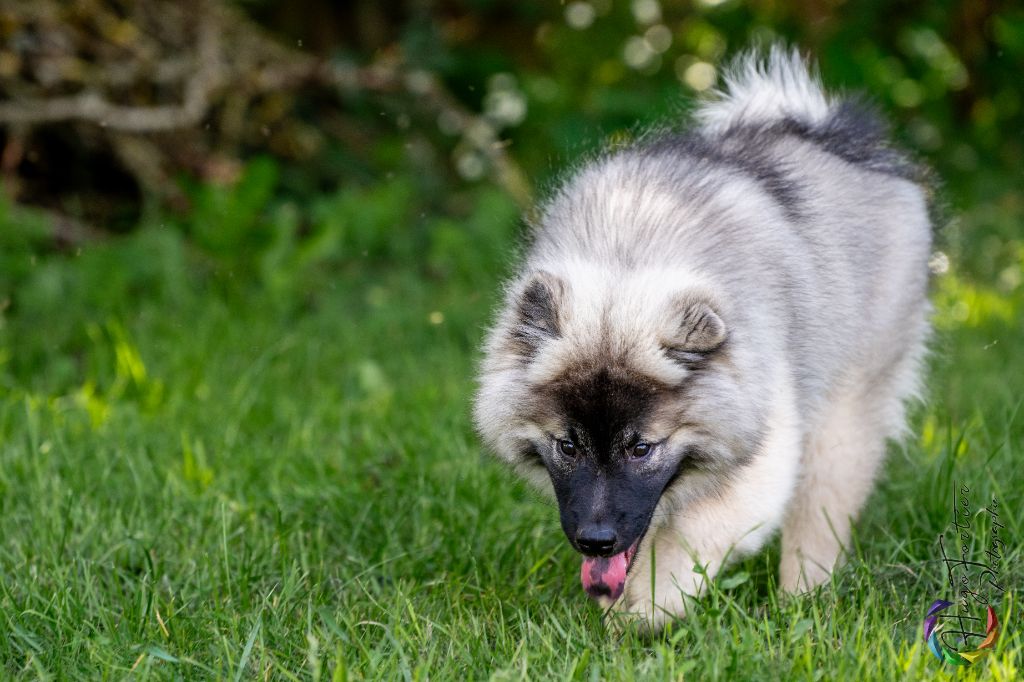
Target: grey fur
[765, 270]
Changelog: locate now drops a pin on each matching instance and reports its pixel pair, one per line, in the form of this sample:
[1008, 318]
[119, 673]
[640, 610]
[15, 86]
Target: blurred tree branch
[150, 80]
[91, 106]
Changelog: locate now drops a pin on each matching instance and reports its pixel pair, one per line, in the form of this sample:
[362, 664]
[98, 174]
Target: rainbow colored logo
[943, 652]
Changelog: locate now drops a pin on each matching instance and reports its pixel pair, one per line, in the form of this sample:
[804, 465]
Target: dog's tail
[765, 87]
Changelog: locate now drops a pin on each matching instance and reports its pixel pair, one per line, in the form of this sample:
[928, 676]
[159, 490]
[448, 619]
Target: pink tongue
[604, 576]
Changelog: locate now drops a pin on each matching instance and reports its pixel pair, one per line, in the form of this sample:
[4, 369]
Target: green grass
[205, 481]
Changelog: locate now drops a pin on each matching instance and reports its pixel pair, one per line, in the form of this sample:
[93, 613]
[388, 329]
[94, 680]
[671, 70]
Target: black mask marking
[603, 488]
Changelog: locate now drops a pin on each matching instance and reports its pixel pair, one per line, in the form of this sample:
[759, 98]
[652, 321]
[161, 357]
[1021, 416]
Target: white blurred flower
[938, 263]
[469, 165]
[504, 103]
[646, 11]
[638, 53]
[696, 74]
[659, 37]
[580, 15]
[505, 107]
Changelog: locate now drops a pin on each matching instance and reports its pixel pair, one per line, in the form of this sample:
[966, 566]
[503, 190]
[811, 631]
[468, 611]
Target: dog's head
[611, 394]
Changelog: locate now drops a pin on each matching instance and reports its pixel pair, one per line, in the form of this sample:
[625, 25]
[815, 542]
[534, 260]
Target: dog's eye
[567, 447]
[640, 450]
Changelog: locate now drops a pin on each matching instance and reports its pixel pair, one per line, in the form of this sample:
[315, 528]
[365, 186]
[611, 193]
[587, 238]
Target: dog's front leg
[691, 544]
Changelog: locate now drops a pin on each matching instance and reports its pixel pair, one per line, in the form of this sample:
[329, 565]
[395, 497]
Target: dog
[712, 336]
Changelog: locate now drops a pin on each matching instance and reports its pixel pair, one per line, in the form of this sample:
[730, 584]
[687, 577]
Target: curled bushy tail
[779, 89]
[763, 88]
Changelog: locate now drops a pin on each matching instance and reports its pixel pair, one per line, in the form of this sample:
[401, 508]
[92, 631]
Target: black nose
[595, 540]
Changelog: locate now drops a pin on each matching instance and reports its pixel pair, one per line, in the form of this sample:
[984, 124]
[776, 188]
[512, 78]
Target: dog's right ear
[537, 313]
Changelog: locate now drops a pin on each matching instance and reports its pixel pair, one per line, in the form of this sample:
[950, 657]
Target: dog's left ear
[696, 331]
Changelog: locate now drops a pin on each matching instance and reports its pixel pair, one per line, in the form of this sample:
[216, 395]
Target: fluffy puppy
[712, 335]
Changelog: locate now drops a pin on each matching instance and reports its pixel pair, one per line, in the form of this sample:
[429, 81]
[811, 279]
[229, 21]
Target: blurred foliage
[293, 188]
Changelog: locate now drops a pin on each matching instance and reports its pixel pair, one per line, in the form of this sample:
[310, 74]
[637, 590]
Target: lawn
[265, 468]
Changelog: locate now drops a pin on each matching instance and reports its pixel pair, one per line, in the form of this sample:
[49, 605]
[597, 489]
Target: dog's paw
[798, 575]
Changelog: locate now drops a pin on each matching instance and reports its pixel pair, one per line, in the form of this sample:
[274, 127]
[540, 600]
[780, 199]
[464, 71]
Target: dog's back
[793, 203]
